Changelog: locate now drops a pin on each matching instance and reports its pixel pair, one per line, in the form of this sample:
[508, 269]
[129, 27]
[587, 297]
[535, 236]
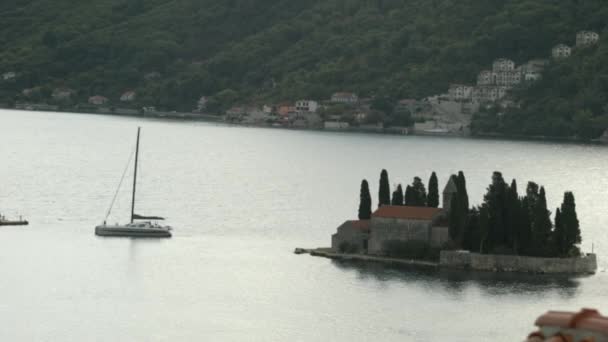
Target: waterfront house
[9, 75]
[62, 93]
[344, 97]
[201, 105]
[29, 91]
[286, 109]
[586, 38]
[128, 96]
[561, 51]
[336, 125]
[307, 106]
[98, 100]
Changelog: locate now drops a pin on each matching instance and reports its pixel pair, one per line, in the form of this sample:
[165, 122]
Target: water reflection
[455, 282]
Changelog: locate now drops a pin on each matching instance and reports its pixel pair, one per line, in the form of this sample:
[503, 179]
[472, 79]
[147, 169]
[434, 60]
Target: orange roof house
[587, 325]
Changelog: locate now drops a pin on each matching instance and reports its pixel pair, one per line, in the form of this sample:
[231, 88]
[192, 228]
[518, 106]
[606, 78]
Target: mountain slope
[275, 49]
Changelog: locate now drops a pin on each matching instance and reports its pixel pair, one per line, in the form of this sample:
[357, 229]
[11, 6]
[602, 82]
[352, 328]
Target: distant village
[444, 114]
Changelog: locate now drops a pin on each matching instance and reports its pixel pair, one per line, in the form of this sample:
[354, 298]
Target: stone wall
[512, 263]
[387, 229]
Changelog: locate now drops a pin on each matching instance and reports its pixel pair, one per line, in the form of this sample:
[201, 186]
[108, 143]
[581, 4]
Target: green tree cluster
[274, 50]
[508, 224]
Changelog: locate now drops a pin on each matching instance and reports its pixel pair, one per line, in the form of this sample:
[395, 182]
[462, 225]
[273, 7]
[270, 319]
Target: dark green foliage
[512, 216]
[495, 201]
[541, 227]
[417, 194]
[433, 197]
[284, 50]
[571, 229]
[410, 250]
[398, 196]
[463, 196]
[559, 236]
[384, 192]
[365, 203]
[410, 197]
[569, 101]
[524, 232]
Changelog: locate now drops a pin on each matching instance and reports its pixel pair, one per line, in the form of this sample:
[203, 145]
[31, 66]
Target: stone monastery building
[396, 223]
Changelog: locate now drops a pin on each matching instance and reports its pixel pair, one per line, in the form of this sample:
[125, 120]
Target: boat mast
[135, 176]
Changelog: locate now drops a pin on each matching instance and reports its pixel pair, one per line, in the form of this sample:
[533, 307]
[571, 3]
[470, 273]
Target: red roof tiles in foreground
[586, 320]
[406, 213]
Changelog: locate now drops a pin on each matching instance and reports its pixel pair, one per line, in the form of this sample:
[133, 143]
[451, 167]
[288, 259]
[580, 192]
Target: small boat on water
[140, 226]
[6, 222]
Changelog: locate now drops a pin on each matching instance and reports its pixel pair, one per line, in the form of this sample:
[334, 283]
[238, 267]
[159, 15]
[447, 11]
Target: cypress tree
[397, 196]
[571, 228]
[410, 197]
[472, 233]
[558, 235]
[512, 216]
[365, 203]
[524, 232]
[419, 193]
[494, 200]
[541, 226]
[461, 184]
[433, 197]
[384, 192]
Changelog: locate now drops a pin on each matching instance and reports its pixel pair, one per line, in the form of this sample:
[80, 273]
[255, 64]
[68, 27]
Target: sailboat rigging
[146, 228]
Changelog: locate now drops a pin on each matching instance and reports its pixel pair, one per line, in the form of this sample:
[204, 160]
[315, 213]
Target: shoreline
[200, 117]
[466, 261]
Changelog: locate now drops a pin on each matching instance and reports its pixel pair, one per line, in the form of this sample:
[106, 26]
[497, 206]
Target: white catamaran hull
[135, 230]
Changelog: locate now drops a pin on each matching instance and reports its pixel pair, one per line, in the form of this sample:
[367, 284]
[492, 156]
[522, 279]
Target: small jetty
[330, 254]
[6, 222]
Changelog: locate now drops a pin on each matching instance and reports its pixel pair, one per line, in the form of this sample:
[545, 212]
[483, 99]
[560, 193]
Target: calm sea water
[241, 200]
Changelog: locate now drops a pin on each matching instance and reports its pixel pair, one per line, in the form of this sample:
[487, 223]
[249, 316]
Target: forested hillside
[247, 50]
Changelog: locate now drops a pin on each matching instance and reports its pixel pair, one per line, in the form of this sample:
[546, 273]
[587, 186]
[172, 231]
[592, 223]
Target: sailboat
[140, 226]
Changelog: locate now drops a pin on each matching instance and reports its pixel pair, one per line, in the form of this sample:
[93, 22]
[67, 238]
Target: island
[506, 233]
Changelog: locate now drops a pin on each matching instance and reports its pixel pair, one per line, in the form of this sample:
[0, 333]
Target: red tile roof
[587, 319]
[361, 224]
[407, 213]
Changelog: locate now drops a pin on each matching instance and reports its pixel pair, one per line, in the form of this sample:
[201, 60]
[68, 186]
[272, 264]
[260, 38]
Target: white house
[307, 106]
[503, 64]
[9, 75]
[336, 125]
[98, 100]
[62, 93]
[201, 105]
[561, 51]
[128, 96]
[460, 92]
[485, 77]
[343, 97]
[585, 38]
